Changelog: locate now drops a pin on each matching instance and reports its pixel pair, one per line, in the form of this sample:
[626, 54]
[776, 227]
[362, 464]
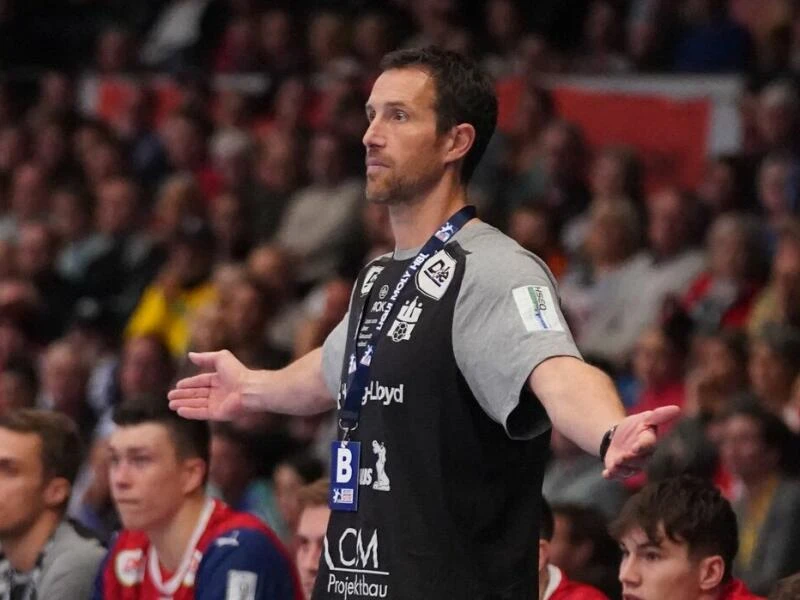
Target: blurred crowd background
[188, 175]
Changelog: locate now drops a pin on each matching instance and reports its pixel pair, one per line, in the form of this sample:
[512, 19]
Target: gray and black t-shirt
[452, 442]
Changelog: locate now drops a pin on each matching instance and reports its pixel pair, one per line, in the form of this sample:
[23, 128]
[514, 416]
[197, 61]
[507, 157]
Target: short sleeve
[507, 321]
[333, 356]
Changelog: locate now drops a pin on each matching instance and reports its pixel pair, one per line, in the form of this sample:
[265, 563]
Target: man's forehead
[637, 536]
[144, 435]
[18, 445]
[409, 85]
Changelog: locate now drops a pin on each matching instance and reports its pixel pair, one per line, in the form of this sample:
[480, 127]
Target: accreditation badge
[345, 458]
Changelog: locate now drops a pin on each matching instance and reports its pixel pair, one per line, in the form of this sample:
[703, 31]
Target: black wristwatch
[607, 437]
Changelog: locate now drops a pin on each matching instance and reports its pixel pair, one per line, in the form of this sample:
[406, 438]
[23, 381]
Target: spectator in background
[658, 366]
[373, 37]
[36, 252]
[778, 118]
[603, 41]
[145, 368]
[289, 477]
[14, 149]
[779, 302]
[51, 153]
[246, 318]
[334, 298]
[553, 582]
[773, 367]
[571, 477]
[276, 176]
[593, 297]
[235, 473]
[229, 225]
[321, 219]
[19, 385]
[724, 294]
[114, 51]
[532, 228]
[710, 41]
[786, 589]
[27, 200]
[582, 548]
[778, 193]
[760, 452]
[126, 260]
[504, 26]
[310, 534]
[64, 377]
[722, 188]
[158, 470]
[556, 178]
[71, 220]
[679, 541]
[182, 287]
[137, 130]
[43, 555]
[276, 39]
[185, 136]
[56, 101]
[179, 200]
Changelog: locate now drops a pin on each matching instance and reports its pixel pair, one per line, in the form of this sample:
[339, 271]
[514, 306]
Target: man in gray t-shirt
[474, 363]
[42, 556]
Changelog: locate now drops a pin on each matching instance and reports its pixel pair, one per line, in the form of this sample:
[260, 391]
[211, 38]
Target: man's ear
[56, 492]
[459, 141]
[193, 474]
[544, 553]
[710, 573]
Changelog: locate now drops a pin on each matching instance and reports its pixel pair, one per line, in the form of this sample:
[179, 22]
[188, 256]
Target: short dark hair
[547, 524]
[464, 94]
[191, 438]
[690, 510]
[62, 451]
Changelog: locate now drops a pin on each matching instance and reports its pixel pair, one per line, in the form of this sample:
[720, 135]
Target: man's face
[661, 571]
[149, 482]
[743, 450]
[21, 482]
[310, 539]
[404, 152]
[142, 371]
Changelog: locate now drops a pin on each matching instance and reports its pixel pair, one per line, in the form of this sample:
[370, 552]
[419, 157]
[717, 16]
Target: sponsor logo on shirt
[537, 308]
[241, 585]
[380, 482]
[383, 292]
[384, 394]
[354, 565]
[406, 320]
[129, 567]
[435, 275]
[369, 279]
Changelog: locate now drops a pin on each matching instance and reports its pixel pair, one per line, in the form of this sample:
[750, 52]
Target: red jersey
[561, 588]
[230, 555]
[736, 590]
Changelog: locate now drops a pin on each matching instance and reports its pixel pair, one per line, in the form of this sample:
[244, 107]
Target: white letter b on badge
[344, 470]
[344, 484]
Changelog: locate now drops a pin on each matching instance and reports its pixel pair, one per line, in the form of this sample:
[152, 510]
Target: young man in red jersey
[177, 542]
[679, 539]
[553, 583]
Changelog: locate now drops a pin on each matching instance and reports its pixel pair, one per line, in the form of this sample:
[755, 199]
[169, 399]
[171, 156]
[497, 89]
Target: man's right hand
[214, 395]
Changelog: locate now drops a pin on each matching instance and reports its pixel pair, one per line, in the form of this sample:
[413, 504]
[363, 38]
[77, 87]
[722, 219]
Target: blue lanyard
[359, 367]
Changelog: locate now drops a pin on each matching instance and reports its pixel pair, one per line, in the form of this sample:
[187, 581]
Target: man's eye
[651, 556]
[399, 115]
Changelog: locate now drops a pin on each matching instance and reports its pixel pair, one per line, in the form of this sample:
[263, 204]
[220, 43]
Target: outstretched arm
[583, 404]
[228, 389]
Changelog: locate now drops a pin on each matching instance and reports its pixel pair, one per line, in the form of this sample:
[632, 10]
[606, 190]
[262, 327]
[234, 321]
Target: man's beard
[401, 190]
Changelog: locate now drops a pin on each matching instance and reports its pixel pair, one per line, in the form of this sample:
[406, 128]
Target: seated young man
[177, 542]
[311, 528]
[43, 556]
[679, 540]
[553, 583]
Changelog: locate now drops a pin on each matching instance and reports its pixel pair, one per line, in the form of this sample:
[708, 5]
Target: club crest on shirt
[406, 320]
[369, 279]
[435, 275]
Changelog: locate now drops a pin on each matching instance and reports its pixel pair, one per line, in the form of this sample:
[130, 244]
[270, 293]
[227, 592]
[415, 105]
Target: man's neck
[544, 580]
[170, 541]
[414, 222]
[23, 551]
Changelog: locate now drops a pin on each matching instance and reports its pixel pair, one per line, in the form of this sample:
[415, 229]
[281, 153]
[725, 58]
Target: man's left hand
[635, 440]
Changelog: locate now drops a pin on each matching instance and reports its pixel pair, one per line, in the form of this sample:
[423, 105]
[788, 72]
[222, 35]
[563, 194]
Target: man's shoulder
[572, 590]
[236, 531]
[72, 547]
